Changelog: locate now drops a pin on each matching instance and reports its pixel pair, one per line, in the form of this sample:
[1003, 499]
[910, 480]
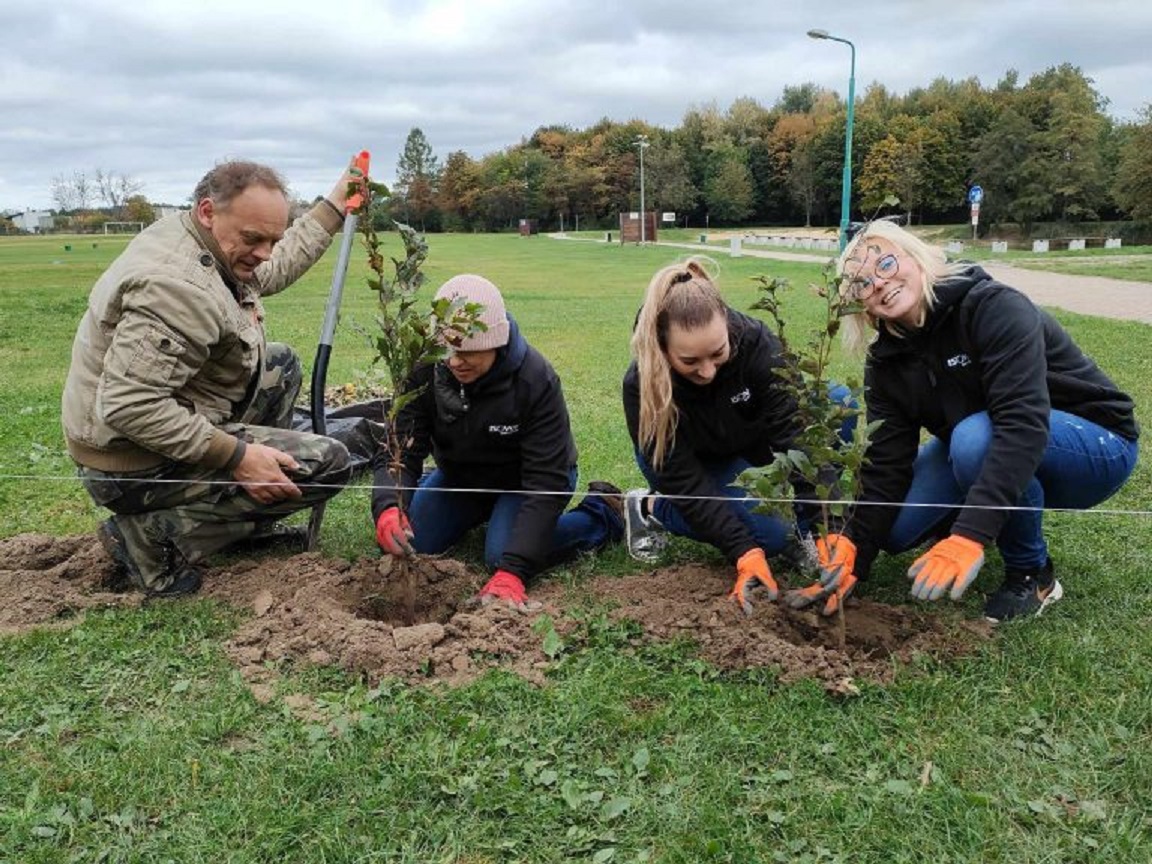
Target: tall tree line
[1045, 150]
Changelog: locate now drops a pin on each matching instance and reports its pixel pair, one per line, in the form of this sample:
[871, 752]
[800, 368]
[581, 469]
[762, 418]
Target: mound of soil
[421, 626]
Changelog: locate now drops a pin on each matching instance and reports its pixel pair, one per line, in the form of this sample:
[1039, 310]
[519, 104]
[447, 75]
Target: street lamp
[641, 143]
[846, 183]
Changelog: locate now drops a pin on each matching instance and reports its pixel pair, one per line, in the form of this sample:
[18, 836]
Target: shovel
[328, 331]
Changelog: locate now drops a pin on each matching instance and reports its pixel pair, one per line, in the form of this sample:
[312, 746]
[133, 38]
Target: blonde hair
[860, 329]
[682, 294]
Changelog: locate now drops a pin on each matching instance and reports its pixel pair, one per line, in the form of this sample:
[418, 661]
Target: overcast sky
[162, 90]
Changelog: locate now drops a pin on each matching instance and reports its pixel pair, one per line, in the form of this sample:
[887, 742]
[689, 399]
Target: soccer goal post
[123, 227]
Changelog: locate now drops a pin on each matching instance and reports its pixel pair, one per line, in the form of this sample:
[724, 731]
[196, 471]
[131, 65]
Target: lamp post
[846, 183]
[641, 143]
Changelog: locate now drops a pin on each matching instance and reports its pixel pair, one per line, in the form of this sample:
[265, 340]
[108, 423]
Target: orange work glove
[836, 558]
[951, 563]
[393, 532]
[751, 573]
[504, 586]
[805, 597]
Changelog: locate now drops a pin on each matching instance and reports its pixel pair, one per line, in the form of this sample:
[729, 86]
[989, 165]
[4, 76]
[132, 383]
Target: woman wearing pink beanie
[492, 415]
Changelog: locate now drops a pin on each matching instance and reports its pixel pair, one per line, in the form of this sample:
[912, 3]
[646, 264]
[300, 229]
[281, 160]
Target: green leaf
[1093, 811]
[640, 760]
[547, 777]
[553, 644]
[616, 807]
[572, 793]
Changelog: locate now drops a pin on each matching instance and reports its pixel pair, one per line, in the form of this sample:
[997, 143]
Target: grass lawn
[129, 737]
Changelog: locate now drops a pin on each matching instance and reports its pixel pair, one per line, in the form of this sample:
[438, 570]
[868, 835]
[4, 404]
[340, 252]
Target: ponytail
[685, 295]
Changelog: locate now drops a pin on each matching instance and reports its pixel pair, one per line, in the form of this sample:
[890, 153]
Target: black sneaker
[1024, 593]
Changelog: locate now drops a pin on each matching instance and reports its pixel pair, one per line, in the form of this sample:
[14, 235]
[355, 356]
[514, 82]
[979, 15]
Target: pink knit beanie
[476, 289]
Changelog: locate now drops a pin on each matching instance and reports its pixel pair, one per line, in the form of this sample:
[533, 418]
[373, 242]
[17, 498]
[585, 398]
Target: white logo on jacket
[497, 429]
[958, 360]
[744, 395]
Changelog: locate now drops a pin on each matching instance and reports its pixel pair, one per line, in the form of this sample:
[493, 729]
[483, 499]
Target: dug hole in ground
[359, 616]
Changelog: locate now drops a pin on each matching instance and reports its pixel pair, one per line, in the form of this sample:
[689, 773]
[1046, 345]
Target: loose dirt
[307, 609]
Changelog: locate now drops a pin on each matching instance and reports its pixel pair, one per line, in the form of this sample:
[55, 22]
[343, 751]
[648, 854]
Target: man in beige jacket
[176, 409]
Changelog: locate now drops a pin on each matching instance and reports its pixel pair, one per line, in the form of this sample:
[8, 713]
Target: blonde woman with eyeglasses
[704, 402]
[1019, 419]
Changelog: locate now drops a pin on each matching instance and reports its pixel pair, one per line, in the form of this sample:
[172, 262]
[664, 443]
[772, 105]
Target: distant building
[34, 221]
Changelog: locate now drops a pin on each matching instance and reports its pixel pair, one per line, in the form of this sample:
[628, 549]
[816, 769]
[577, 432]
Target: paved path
[1087, 295]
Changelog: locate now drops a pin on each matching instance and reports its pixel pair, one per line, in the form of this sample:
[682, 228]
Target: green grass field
[129, 737]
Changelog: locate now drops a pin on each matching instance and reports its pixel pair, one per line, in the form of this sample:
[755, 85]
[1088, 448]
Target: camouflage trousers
[177, 513]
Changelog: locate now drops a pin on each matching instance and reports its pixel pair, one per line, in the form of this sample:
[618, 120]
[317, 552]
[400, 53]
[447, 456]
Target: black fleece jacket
[744, 412]
[983, 347]
[509, 430]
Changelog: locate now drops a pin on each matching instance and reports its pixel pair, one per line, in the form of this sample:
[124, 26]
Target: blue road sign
[975, 195]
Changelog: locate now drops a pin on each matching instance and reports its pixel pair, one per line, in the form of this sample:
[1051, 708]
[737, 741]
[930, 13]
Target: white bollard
[1039, 245]
[734, 248]
[999, 245]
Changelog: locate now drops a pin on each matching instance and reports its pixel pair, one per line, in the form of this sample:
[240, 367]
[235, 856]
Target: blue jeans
[440, 518]
[770, 532]
[1083, 465]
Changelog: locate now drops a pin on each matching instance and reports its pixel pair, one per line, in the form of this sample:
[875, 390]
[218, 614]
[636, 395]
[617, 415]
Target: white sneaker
[800, 556]
[645, 535]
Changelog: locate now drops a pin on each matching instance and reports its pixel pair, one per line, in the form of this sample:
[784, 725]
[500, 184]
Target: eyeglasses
[861, 288]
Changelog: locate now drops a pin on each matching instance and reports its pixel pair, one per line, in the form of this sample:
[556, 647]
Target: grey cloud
[162, 90]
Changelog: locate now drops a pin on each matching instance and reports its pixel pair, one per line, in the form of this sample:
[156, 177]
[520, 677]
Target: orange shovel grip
[355, 200]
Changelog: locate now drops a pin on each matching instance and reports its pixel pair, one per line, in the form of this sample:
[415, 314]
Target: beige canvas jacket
[167, 350]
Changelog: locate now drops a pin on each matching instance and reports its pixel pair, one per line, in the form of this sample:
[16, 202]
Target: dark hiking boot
[112, 539]
[186, 580]
[183, 580]
[1024, 593]
[273, 535]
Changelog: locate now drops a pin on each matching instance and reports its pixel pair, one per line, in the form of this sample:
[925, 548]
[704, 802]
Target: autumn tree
[72, 192]
[115, 189]
[459, 191]
[1001, 153]
[669, 186]
[1132, 187]
[1072, 144]
[918, 162]
[790, 148]
[417, 178]
[729, 192]
[137, 209]
[799, 98]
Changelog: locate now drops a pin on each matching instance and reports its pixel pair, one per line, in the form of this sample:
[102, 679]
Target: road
[1087, 295]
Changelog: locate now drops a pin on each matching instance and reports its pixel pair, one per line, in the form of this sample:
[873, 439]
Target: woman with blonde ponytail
[703, 403]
